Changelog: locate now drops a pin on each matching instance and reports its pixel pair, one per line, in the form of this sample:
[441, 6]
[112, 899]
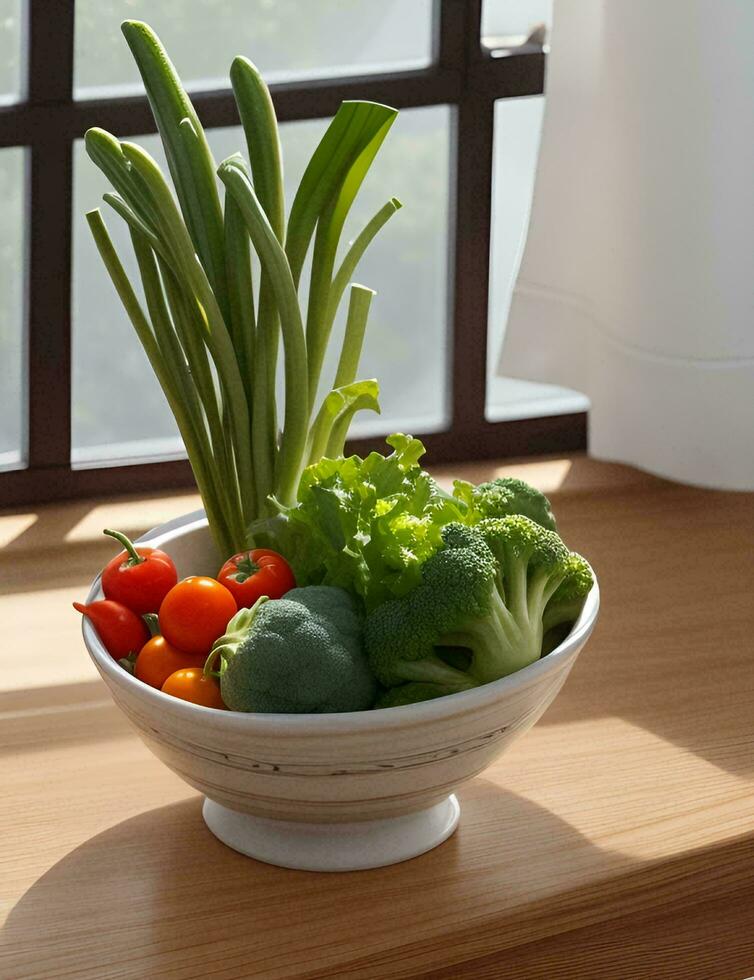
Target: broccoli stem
[562, 612]
[542, 585]
[433, 670]
[499, 645]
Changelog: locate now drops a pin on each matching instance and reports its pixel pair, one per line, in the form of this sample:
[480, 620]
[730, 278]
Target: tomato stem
[153, 623]
[134, 557]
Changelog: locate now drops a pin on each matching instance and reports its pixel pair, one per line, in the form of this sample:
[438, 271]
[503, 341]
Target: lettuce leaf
[367, 525]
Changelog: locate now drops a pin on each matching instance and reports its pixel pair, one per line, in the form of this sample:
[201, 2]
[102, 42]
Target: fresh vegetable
[210, 331]
[412, 693]
[486, 591]
[140, 578]
[568, 599]
[122, 632]
[367, 525]
[251, 574]
[195, 612]
[158, 659]
[300, 654]
[192, 684]
[502, 497]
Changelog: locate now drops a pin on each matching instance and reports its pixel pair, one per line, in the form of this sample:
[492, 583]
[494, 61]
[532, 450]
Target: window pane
[518, 123]
[118, 408]
[12, 332]
[512, 18]
[10, 51]
[286, 39]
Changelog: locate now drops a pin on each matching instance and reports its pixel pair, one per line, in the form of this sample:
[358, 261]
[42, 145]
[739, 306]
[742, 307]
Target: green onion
[210, 336]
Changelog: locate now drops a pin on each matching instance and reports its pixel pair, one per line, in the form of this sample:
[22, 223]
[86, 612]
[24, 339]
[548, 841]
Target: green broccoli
[486, 591]
[411, 693]
[300, 654]
[568, 599]
[503, 497]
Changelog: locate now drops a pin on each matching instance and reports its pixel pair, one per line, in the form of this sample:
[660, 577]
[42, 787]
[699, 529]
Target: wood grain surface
[615, 840]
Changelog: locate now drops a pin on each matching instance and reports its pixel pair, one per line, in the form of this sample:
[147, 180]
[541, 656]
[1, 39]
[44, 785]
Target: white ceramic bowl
[332, 792]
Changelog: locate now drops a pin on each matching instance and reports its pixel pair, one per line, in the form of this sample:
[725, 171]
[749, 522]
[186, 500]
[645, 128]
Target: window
[10, 46]
[81, 413]
[12, 175]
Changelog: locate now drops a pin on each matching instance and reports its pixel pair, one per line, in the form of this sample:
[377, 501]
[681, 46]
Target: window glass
[118, 408]
[286, 39]
[510, 19]
[10, 51]
[12, 328]
[518, 123]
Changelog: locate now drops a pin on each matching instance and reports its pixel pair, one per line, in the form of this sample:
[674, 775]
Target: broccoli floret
[568, 599]
[300, 654]
[486, 591]
[501, 498]
[412, 692]
[401, 635]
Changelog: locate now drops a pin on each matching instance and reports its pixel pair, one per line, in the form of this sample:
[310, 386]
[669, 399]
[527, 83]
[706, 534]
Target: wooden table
[615, 840]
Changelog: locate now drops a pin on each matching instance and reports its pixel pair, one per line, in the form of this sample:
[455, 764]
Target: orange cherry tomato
[191, 684]
[158, 659]
[251, 574]
[195, 612]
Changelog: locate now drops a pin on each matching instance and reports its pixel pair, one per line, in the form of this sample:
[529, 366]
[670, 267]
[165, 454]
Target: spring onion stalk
[271, 254]
[262, 140]
[211, 338]
[162, 311]
[366, 399]
[191, 164]
[347, 396]
[259, 122]
[351, 131]
[194, 280]
[338, 408]
[196, 446]
[327, 239]
[240, 293]
[354, 254]
[353, 340]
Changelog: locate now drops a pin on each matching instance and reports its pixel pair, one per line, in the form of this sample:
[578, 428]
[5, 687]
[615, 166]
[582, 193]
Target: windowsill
[625, 805]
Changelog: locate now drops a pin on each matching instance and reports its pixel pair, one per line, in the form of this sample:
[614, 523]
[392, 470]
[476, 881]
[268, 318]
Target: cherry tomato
[140, 578]
[122, 632]
[191, 684]
[252, 574]
[157, 660]
[195, 612]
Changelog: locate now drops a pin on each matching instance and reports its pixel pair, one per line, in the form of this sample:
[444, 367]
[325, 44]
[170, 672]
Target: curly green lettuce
[366, 525]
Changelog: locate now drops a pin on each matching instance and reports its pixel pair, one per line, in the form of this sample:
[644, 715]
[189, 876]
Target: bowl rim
[344, 722]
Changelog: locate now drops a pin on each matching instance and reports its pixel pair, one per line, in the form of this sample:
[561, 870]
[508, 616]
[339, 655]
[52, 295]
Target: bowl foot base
[333, 846]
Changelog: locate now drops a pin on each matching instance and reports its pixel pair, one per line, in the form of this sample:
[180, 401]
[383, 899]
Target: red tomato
[140, 578]
[193, 685]
[195, 612]
[122, 632]
[252, 574]
[158, 660]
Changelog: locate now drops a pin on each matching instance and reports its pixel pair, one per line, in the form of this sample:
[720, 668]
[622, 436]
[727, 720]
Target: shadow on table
[159, 889]
[671, 652]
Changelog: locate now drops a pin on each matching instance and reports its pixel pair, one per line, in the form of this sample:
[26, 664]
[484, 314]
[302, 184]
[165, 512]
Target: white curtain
[636, 285]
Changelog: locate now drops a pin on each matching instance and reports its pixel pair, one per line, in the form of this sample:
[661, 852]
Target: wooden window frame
[47, 122]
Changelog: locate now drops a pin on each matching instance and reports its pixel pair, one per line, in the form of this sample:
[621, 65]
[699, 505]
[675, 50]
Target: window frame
[48, 120]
